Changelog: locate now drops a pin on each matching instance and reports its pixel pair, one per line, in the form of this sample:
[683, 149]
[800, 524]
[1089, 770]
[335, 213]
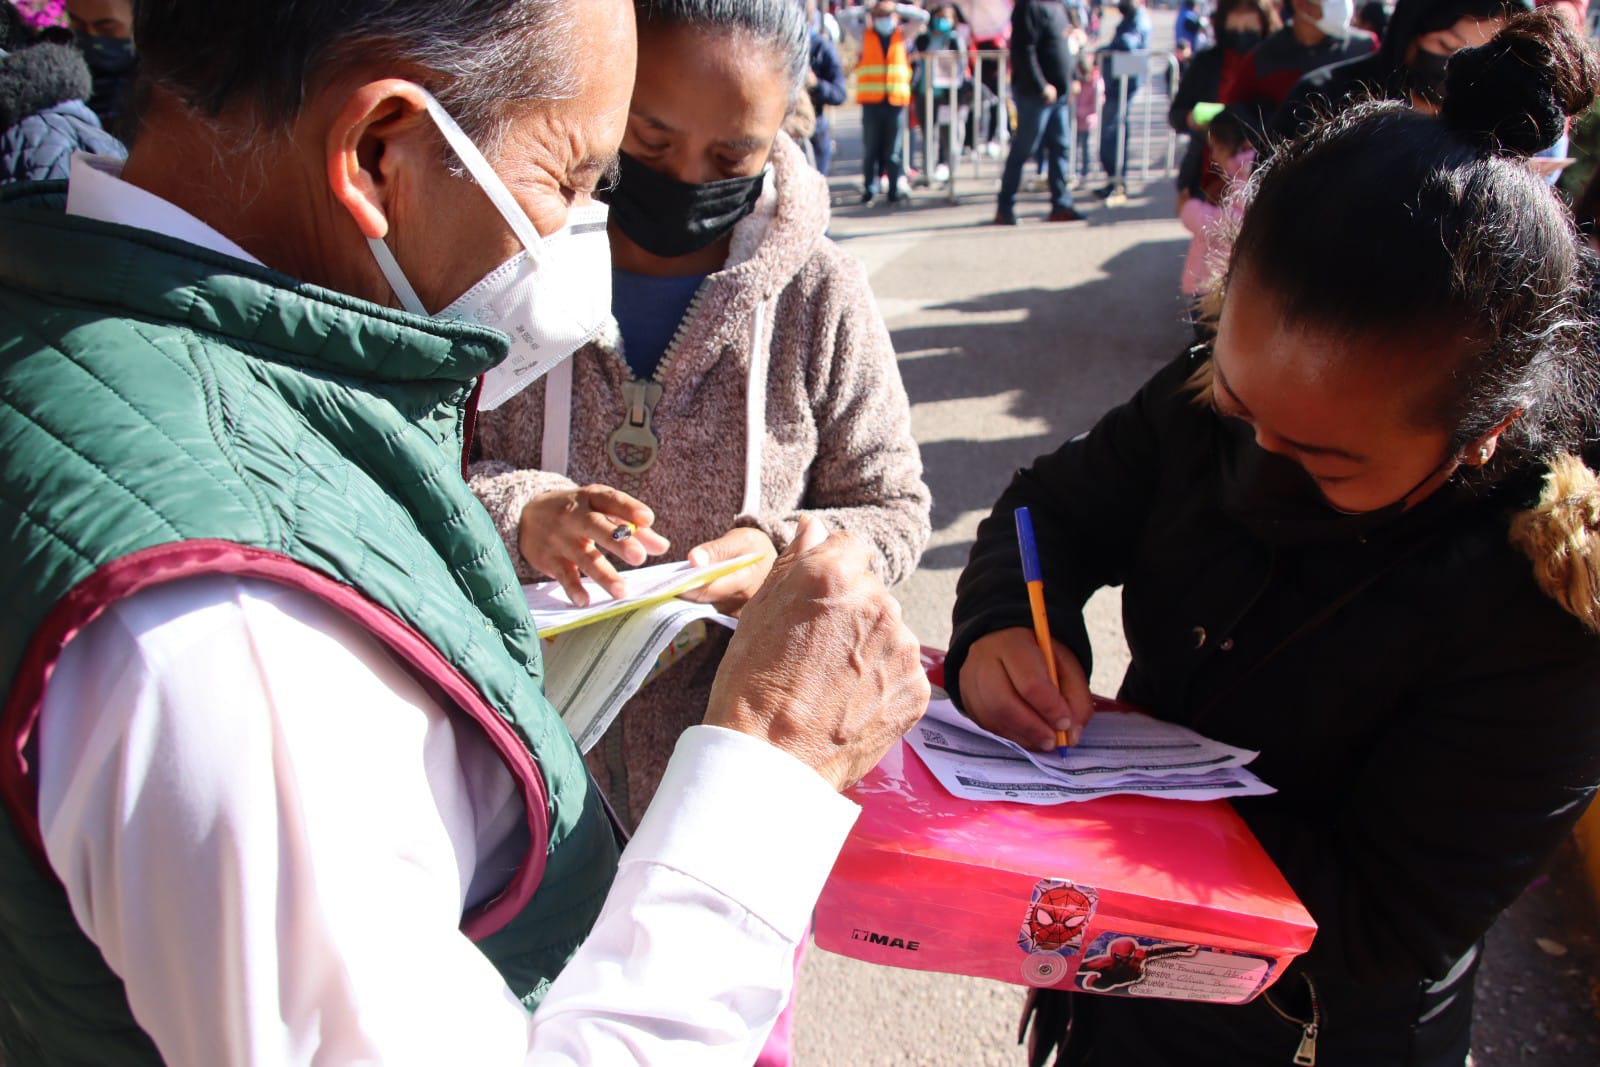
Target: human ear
[372, 144]
[1481, 451]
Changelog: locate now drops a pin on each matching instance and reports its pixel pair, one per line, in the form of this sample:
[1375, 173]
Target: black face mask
[107, 56]
[1425, 75]
[1274, 498]
[669, 218]
[1240, 41]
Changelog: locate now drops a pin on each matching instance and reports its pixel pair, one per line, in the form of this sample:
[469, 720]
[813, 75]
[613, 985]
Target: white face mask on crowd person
[551, 299]
[1335, 20]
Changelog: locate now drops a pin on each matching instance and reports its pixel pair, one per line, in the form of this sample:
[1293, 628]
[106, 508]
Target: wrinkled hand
[822, 665]
[1006, 688]
[731, 592]
[566, 534]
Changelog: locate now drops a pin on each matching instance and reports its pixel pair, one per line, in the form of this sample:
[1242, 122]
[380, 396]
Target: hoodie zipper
[683, 328]
[638, 401]
[1306, 1054]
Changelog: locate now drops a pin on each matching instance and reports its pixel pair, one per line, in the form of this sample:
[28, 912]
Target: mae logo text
[885, 940]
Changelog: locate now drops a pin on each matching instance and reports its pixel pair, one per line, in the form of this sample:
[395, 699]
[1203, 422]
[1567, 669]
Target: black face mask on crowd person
[1274, 498]
[1240, 41]
[111, 61]
[669, 218]
[1425, 75]
[110, 56]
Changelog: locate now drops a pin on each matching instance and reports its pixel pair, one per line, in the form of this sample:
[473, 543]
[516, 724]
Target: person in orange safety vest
[883, 89]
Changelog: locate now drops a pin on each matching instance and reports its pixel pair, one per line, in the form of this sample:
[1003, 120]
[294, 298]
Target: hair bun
[1515, 94]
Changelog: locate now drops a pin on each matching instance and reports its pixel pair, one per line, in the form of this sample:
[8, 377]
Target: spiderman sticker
[1052, 932]
[1121, 963]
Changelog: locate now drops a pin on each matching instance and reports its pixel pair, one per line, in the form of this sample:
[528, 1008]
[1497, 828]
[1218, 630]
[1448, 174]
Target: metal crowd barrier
[964, 132]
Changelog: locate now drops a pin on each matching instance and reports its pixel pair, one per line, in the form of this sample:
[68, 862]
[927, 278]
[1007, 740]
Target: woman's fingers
[567, 573]
[596, 530]
[617, 523]
[616, 503]
[1075, 688]
[1006, 687]
[594, 564]
[1004, 711]
[730, 592]
[1031, 679]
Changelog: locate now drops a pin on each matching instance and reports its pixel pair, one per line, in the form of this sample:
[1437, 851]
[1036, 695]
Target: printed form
[595, 658]
[1120, 752]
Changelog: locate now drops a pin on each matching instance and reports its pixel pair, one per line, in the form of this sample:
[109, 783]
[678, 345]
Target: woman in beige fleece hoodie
[781, 306]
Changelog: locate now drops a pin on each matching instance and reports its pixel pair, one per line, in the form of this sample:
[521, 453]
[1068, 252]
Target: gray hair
[778, 24]
[476, 56]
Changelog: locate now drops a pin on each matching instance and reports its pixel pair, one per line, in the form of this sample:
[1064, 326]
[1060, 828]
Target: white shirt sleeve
[271, 829]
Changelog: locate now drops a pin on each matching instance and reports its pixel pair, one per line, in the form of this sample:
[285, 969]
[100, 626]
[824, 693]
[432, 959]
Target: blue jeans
[882, 135]
[822, 142]
[1038, 123]
[1083, 151]
[1111, 125]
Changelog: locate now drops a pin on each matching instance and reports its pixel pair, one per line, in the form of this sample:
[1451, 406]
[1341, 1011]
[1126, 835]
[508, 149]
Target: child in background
[1233, 154]
[1086, 110]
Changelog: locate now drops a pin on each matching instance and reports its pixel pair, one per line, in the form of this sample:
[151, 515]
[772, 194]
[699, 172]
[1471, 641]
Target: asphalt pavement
[1012, 340]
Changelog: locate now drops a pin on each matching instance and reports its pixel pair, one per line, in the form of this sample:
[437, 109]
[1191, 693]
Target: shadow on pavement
[1062, 337]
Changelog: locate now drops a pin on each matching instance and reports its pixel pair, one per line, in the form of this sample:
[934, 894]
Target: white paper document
[554, 612]
[1120, 752]
[595, 658]
[589, 673]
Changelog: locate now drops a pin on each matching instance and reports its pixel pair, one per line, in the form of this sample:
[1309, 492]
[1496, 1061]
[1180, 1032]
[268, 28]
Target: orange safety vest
[881, 78]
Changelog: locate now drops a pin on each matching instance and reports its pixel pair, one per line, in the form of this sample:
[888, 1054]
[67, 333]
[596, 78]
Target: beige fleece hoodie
[837, 444]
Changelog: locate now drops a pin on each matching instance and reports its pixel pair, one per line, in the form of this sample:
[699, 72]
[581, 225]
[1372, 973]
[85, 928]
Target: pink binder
[1125, 895]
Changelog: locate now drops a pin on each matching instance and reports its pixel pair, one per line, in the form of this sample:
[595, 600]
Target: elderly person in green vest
[280, 784]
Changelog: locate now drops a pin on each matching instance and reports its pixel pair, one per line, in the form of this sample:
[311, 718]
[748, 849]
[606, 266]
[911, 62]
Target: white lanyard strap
[755, 414]
[554, 454]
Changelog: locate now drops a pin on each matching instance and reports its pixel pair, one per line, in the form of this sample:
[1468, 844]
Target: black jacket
[1039, 52]
[830, 89]
[1430, 718]
[1381, 75]
[1200, 84]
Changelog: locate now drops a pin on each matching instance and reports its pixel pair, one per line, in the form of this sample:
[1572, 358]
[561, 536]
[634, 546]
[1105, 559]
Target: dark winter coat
[43, 117]
[1039, 51]
[830, 90]
[1200, 84]
[1256, 88]
[1380, 75]
[1428, 713]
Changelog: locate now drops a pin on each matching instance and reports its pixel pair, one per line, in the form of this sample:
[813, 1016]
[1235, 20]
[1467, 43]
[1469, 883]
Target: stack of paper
[1120, 752]
[595, 658]
[555, 613]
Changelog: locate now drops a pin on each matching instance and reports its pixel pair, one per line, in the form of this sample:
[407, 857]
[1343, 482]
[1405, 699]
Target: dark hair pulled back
[1514, 95]
[1385, 220]
[778, 24]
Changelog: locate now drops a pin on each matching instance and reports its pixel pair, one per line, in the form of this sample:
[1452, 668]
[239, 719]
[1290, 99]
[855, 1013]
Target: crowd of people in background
[914, 71]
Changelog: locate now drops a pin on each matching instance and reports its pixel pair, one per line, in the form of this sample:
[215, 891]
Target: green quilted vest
[167, 411]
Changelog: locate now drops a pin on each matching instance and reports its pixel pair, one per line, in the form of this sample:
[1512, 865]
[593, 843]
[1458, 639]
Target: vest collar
[139, 274]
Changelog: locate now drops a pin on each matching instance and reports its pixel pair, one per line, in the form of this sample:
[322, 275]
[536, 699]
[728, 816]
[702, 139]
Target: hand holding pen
[568, 535]
[1007, 684]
